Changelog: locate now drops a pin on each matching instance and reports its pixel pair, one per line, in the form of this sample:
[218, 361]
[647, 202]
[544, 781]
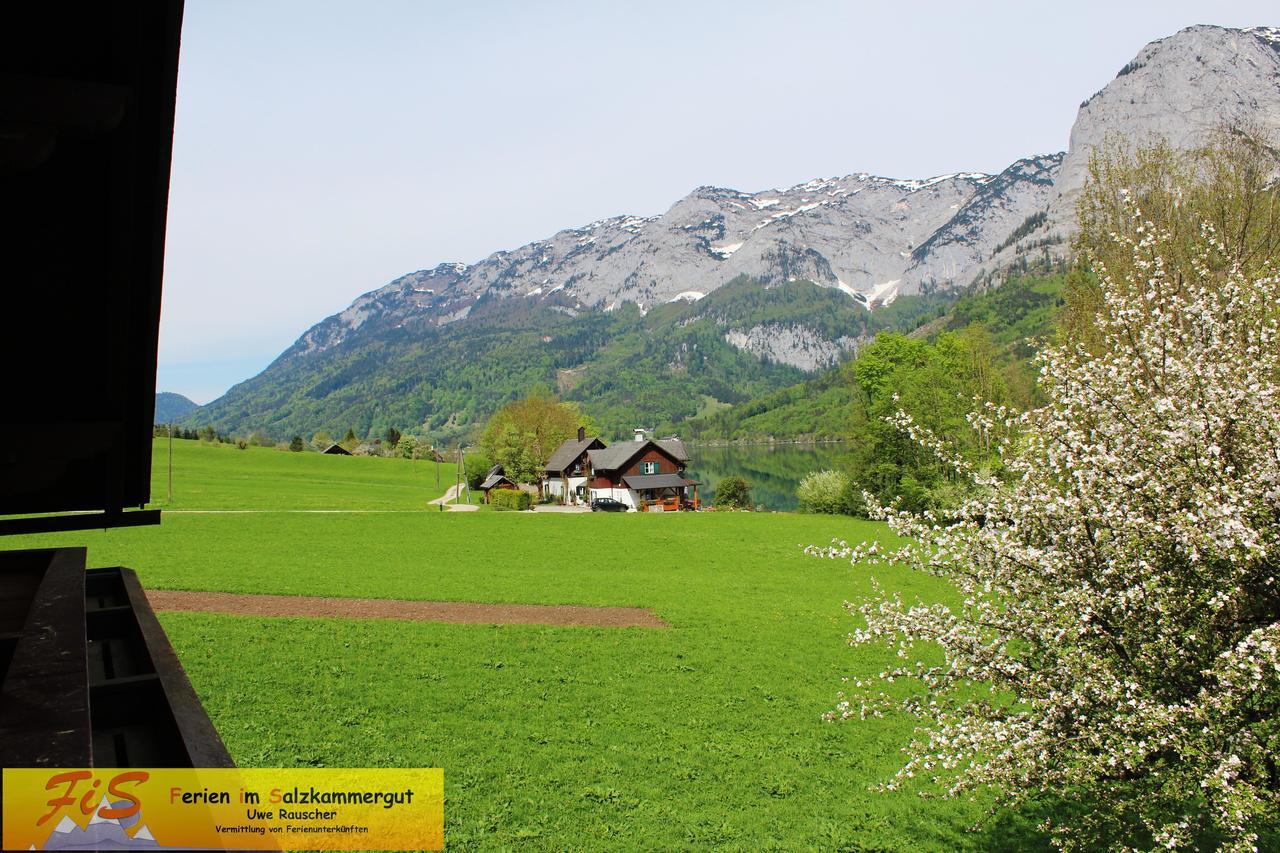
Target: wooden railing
[665, 505]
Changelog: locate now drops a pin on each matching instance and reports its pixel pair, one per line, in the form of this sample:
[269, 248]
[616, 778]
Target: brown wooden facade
[667, 464]
[666, 500]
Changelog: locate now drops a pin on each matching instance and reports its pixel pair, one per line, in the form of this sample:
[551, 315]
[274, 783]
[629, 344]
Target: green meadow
[707, 734]
[221, 476]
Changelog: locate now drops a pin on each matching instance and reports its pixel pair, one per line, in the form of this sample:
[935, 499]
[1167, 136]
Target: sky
[322, 149]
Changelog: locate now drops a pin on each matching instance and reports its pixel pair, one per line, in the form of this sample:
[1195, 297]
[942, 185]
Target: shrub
[510, 499]
[733, 492]
[825, 491]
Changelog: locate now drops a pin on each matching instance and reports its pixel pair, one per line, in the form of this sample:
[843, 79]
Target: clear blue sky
[322, 149]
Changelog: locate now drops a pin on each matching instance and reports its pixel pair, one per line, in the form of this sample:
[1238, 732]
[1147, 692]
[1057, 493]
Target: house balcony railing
[669, 505]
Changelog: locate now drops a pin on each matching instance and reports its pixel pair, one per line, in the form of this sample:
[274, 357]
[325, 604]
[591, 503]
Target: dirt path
[449, 494]
[413, 611]
[452, 494]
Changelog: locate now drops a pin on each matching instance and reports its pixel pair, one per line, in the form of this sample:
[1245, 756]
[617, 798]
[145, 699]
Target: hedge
[510, 499]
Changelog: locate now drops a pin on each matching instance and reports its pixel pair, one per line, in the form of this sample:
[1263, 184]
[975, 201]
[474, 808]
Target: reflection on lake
[773, 471]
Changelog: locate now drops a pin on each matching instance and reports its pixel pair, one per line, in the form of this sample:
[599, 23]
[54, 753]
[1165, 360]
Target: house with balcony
[647, 475]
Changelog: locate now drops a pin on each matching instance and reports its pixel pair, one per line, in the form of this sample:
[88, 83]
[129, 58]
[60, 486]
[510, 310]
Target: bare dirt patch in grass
[413, 611]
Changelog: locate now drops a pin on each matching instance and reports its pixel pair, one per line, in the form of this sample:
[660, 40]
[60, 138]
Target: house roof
[611, 458]
[656, 481]
[337, 450]
[569, 451]
[495, 476]
[616, 457]
[675, 447]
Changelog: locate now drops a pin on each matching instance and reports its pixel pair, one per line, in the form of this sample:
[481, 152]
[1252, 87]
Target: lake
[773, 471]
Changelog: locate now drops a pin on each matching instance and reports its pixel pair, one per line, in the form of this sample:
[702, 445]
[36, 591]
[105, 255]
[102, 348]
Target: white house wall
[623, 494]
[556, 487]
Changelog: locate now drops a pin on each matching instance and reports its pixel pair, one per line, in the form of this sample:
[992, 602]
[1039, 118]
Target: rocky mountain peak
[867, 238]
[1182, 88]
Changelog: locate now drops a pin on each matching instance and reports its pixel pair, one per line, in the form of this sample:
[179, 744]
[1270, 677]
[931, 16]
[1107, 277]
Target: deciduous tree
[1118, 641]
[522, 435]
[1227, 185]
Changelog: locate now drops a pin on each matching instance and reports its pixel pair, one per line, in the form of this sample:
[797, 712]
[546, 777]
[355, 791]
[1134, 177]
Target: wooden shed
[496, 479]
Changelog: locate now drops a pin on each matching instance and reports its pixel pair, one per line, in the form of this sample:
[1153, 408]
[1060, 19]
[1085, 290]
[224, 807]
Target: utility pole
[170, 463]
[457, 475]
[466, 483]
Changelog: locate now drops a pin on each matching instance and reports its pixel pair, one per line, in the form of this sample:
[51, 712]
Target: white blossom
[1120, 601]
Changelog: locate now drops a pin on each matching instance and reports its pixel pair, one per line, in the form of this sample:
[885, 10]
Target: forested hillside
[624, 368]
[1011, 318]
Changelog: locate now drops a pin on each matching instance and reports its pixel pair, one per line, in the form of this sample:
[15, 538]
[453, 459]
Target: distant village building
[336, 450]
[644, 474]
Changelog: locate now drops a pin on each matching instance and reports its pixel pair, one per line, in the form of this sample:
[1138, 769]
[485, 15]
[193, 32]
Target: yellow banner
[237, 809]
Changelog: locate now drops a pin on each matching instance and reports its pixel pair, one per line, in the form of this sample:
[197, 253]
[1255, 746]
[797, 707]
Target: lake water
[773, 471]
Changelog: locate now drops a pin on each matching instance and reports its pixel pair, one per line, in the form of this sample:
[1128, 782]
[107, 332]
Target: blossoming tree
[1118, 643]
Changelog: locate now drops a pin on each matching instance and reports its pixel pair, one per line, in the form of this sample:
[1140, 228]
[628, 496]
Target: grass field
[221, 476]
[704, 735]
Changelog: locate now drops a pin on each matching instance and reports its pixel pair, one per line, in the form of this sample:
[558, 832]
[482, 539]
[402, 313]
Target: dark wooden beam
[80, 521]
[44, 701]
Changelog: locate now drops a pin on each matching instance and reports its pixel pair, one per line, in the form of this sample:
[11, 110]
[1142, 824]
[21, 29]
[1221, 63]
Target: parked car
[608, 505]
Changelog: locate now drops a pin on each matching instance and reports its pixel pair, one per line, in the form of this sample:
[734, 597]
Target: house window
[648, 467]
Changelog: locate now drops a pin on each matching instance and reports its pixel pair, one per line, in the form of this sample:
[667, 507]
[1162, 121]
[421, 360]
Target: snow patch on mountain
[849, 232]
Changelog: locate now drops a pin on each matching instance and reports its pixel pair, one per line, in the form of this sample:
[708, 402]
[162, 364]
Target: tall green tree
[936, 384]
[522, 435]
[476, 467]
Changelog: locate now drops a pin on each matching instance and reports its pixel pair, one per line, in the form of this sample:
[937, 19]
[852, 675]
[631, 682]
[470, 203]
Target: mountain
[1183, 88]
[872, 238]
[673, 362]
[635, 317]
[172, 407]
